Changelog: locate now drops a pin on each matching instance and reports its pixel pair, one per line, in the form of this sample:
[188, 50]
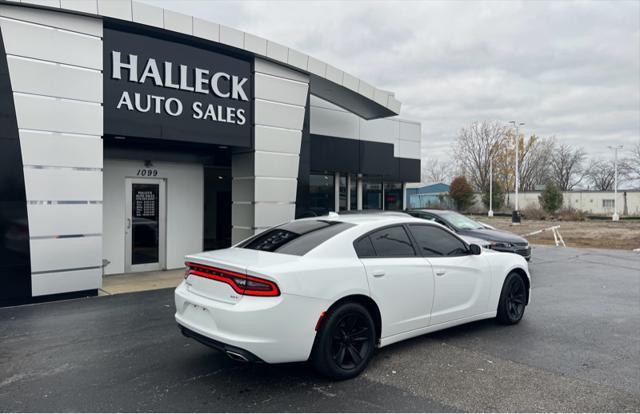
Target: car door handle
[440, 272]
[378, 273]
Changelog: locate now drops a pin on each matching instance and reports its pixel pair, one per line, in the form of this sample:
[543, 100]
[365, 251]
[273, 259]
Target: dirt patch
[598, 234]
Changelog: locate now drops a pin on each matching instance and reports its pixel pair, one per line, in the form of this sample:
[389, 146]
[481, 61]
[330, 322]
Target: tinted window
[434, 241]
[364, 248]
[297, 237]
[392, 242]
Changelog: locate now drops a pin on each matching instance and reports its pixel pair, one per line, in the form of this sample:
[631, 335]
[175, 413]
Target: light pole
[491, 151]
[615, 149]
[515, 214]
[490, 213]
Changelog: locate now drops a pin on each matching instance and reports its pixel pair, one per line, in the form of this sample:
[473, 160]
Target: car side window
[436, 242]
[441, 222]
[364, 247]
[392, 242]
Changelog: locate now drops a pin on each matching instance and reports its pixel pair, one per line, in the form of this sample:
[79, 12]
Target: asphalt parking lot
[577, 349]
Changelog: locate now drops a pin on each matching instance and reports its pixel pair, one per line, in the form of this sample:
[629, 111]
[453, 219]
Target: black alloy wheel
[350, 341]
[513, 300]
[345, 342]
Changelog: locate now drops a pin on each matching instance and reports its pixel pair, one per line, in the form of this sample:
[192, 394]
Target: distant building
[592, 202]
[434, 195]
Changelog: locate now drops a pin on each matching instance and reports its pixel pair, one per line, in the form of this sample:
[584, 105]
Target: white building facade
[133, 135]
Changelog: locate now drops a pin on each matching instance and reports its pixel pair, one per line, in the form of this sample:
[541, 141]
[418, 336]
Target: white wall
[55, 63]
[265, 179]
[185, 210]
[329, 119]
[589, 201]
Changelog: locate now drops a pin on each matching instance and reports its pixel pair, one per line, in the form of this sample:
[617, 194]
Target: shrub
[571, 214]
[533, 213]
[461, 193]
[498, 196]
[551, 198]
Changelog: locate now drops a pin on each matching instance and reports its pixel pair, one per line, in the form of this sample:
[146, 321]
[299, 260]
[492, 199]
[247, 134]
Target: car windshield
[296, 237]
[461, 222]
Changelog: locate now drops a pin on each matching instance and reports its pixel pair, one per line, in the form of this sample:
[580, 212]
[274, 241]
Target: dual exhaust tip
[236, 356]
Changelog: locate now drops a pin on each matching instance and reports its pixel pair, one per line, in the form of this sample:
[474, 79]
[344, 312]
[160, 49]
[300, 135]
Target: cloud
[566, 69]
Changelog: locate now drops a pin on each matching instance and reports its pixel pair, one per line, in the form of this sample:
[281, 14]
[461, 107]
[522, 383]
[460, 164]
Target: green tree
[461, 193]
[551, 198]
[498, 196]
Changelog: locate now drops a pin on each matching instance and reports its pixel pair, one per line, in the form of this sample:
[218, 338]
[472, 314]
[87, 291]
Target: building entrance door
[145, 220]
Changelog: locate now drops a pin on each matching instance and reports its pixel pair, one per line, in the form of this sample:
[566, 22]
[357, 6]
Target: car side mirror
[475, 249]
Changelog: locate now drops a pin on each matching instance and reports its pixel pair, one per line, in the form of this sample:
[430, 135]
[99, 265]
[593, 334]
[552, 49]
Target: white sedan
[331, 289]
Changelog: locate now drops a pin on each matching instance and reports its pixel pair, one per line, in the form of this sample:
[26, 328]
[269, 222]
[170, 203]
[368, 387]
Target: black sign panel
[145, 217]
[161, 89]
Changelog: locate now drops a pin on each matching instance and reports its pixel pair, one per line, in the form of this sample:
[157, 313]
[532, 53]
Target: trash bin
[515, 216]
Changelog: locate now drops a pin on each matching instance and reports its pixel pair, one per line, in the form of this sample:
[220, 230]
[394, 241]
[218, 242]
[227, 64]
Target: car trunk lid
[218, 274]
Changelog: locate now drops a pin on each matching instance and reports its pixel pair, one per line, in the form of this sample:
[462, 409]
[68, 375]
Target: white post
[517, 169]
[515, 215]
[404, 196]
[336, 192]
[490, 214]
[615, 216]
[348, 191]
[615, 149]
[359, 194]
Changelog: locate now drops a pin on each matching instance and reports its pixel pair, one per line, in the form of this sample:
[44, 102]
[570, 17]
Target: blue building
[429, 196]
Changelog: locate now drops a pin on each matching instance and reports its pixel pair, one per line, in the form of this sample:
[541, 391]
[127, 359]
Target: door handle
[128, 223]
[378, 273]
[440, 272]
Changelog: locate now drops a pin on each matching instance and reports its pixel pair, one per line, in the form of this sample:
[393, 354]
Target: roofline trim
[146, 14]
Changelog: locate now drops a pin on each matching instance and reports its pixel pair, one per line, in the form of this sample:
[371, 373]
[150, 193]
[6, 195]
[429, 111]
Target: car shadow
[215, 362]
[472, 329]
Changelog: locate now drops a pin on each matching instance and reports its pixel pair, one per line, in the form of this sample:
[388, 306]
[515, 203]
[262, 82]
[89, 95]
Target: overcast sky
[566, 69]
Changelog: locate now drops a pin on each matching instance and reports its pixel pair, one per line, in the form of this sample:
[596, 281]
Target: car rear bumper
[232, 351]
[273, 330]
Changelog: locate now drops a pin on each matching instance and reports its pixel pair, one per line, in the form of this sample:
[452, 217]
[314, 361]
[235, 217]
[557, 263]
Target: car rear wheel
[345, 342]
[513, 300]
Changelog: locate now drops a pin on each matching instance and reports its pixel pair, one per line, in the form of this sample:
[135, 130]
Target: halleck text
[196, 80]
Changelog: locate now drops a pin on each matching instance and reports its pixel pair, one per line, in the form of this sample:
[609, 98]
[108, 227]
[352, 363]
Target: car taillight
[241, 284]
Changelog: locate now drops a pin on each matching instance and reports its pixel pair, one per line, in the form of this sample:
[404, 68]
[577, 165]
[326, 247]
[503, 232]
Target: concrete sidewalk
[138, 282]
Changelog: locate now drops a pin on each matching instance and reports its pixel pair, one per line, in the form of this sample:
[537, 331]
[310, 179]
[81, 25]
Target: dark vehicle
[499, 240]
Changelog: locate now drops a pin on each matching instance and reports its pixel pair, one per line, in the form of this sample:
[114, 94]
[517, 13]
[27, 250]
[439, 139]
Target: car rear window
[296, 238]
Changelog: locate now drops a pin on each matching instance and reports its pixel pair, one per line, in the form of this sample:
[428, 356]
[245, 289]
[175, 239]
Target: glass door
[145, 224]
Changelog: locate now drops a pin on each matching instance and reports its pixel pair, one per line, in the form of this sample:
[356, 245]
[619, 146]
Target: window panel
[371, 193]
[364, 247]
[393, 196]
[342, 202]
[392, 242]
[435, 242]
[321, 193]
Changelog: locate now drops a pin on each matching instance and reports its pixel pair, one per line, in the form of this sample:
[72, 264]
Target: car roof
[427, 210]
[378, 218]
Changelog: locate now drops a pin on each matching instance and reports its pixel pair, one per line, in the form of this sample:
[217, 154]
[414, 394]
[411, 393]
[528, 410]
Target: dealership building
[131, 135]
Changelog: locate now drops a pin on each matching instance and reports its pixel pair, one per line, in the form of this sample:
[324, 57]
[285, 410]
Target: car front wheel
[345, 342]
[513, 300]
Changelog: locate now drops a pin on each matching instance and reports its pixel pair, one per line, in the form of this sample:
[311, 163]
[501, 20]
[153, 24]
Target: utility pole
[515, 214]
[615, 149]
[490, 213]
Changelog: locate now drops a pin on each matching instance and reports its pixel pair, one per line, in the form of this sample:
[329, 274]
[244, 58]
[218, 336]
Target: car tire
[513, 300]
[345, 342]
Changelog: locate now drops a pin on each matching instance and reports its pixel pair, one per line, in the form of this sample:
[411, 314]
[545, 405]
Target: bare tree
[473, 149]
[567, 166]
[634, 160]
[535, 157]
[437, 171]
[601, 174]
